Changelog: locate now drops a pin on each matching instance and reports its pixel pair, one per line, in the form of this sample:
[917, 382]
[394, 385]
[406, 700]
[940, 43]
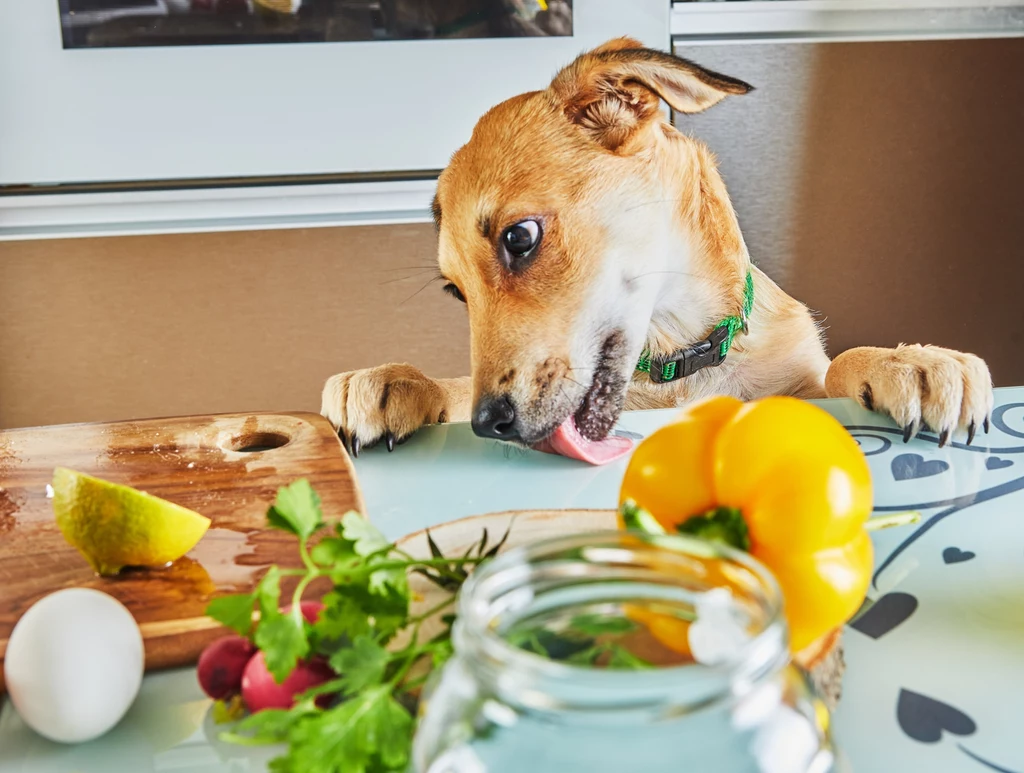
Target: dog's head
[565, 224]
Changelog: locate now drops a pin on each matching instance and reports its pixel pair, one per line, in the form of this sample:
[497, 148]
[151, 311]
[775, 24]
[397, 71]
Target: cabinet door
[881, 182]
[171, 112]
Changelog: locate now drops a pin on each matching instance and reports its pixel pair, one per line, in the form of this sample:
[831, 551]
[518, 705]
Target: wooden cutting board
[227, 467]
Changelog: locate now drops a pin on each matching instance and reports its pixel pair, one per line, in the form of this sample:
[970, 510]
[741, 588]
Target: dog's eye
[521, 238]
[454, 292]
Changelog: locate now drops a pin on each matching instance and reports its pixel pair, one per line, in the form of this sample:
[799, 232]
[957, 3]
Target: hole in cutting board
[254, 442]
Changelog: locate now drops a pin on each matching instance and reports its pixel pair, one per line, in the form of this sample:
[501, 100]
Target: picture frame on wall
[129, 23]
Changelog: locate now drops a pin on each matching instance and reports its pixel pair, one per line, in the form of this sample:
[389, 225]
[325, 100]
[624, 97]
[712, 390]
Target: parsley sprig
[369, 637]
[368, 726]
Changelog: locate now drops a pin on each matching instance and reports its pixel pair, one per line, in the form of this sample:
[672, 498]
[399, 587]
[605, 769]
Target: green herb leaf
[353, 610]
[296, 509]
[366, 537]
[443, 650]
[228, 711]
[394, 736]
[343, 618]
[369, 733]
[595, 625]
[280, 765]
[501, 543]
[267, 726]
[234, 611]
[334, 552]
[622, 658]
[587, 657]
[444, 581]
[386, 580]
[548, 644]
[723, 524]
[268, 594]
[360, 666]
[435, 551]
[477, 548]
[284, 643]
[390, 612]
[636, 518]
[609, 655]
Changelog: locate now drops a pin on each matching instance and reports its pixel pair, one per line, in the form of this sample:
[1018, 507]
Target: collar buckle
[686, 362]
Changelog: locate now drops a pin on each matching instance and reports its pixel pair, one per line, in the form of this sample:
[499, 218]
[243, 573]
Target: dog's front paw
[387, 403]
[918, 386]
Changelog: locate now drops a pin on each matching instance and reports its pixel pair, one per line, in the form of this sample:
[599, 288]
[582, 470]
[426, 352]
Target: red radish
[260, 691]
[310, 610]
[221, 666]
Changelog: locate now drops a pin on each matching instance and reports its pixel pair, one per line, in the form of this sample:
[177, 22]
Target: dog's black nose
[494, 417]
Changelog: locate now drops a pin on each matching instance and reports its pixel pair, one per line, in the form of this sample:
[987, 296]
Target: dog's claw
[356, 445]
[389, 441]
[908, 432]
[986, 425]
[943, 438]
[344, 438]
[970, 432]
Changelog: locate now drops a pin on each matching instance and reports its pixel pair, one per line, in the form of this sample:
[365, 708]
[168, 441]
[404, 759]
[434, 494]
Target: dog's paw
[918, 386]
[387, 403]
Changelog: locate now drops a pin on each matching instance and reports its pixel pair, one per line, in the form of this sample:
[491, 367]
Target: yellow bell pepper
[777, 477]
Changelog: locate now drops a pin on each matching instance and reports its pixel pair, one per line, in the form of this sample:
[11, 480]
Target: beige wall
[104, 329]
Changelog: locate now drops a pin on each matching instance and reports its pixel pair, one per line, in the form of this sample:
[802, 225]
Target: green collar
[707, 353]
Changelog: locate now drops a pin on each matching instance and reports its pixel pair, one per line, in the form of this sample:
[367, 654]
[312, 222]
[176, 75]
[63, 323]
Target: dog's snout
[495, 417]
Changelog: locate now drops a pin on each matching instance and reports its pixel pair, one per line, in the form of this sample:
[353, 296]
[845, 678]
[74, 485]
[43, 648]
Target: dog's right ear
[616, 89]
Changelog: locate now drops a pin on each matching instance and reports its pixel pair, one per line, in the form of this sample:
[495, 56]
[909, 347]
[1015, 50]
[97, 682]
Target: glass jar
[654, 692]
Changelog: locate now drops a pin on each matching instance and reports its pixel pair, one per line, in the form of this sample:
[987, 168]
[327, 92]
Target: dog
[603, 269]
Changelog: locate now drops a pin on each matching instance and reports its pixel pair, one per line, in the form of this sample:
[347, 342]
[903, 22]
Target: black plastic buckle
[706, 354]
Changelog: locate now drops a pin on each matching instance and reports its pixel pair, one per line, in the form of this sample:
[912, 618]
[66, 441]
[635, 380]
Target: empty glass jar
[621, 653]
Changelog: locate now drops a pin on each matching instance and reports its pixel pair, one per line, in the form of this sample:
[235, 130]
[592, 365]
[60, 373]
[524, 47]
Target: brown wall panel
[114, 328]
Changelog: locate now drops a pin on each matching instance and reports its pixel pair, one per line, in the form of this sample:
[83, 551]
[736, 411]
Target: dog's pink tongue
[567, 441]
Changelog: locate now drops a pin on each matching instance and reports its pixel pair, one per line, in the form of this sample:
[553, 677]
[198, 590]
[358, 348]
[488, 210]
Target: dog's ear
[616, 88]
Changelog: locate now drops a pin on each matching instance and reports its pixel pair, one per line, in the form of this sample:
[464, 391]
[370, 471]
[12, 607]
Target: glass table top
[935, 668]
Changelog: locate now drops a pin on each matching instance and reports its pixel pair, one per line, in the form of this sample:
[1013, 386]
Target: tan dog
[582, 230]
[585, 233]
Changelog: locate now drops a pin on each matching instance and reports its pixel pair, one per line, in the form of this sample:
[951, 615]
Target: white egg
[74, 664]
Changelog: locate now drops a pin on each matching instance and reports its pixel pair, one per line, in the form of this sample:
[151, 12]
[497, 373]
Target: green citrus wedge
[115, 526]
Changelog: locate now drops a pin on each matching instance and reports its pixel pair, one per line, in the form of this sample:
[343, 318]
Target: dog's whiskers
[432, 280]
[568, 400]
[678, 273]
[569, 369]
[652, 203]
[405, 278]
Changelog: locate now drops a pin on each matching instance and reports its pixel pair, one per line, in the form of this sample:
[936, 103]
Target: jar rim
[766, 651]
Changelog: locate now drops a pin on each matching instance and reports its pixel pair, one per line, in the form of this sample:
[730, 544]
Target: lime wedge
[115, 526]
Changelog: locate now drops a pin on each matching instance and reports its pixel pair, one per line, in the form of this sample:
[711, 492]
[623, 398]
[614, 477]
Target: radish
[260, 691]
[221, 666]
